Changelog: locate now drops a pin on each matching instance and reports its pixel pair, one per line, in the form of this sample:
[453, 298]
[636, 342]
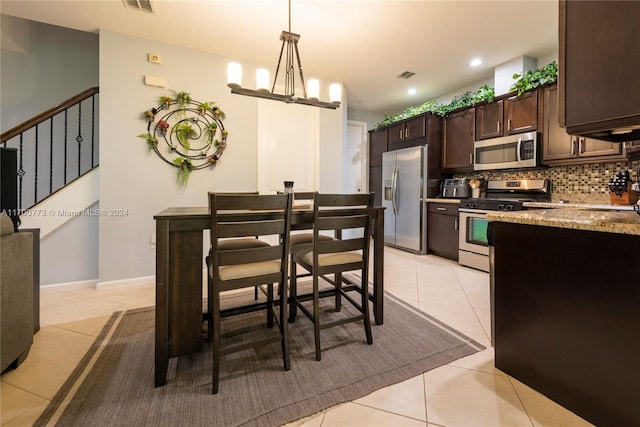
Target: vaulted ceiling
[365, 44]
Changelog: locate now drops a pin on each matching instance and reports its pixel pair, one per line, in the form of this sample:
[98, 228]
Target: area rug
[114, 383]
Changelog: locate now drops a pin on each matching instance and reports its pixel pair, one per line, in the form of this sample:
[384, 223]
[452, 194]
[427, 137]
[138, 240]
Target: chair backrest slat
[244, 256]
[345, 245]
[258, 227]
[343, 222]
[342, 212]
[250, 215]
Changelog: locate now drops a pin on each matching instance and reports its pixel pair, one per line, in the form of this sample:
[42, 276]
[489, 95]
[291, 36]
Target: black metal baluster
[79, 138]
[35, 180]
[65, 144]
[20, 174]
[93, 130]
[51, 156]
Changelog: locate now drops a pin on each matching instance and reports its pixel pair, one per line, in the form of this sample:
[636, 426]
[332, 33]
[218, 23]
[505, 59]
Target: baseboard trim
[79, 284]
[97, 284]
[134, 281]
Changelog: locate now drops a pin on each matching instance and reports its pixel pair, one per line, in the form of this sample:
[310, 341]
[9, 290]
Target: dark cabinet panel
[633, 149]
[598, 68]
[408, 133]
[442, 230]
[521, 113]
[558, 329]
[375, 184]
[459, 135]
[560, 147]
[377, 146]
[489, 120]
[396, 134]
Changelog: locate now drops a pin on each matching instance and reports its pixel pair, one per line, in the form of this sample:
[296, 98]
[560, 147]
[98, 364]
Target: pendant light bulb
[234, 74]
[335, 93]
[313, 89]
[262, 80]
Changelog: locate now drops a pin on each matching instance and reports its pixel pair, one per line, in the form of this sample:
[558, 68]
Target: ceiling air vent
[406, 75]
[143, 5]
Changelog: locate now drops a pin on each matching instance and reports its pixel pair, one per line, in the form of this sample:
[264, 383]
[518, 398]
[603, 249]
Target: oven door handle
[394, 190]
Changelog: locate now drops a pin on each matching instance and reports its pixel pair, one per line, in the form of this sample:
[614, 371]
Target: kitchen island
[566, 307]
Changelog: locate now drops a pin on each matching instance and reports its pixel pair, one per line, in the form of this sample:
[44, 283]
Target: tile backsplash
[585, 183]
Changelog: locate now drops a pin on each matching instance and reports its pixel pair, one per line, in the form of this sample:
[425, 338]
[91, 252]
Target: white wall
[369, 117]
[70, 254]
[42, 65]
[133, 179]
[57, 64]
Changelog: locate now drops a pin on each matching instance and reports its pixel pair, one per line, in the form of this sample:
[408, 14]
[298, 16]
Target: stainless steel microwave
[507, 152]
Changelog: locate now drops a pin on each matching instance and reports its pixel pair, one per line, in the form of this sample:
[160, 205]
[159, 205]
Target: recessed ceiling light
[411, 91]
[475, 62]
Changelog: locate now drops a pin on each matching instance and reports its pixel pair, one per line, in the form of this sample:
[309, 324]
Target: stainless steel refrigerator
[404, 188]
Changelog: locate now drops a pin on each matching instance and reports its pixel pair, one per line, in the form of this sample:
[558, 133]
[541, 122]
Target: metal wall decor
[186, 134]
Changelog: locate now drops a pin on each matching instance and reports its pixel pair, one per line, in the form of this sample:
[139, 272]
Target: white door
[288, 146]
[356, 158]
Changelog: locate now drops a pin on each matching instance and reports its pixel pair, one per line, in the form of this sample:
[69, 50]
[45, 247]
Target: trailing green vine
[526, 82]
[532, 79]
[184, 170]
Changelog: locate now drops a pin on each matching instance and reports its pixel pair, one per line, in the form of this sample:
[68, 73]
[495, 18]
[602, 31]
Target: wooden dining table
[179, 274]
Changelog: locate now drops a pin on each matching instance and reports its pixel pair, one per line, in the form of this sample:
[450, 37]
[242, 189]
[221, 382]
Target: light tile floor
[466, 392]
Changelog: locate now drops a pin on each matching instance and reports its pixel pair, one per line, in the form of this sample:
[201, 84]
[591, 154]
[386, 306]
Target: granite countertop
[567, 205]
[608, 221]
[439, 200]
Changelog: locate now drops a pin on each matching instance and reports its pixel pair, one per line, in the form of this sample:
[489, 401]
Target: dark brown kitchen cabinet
[489, 120]
[598, 69]
[511, 115]
[459, 135]
[408, 133]
[375, 184]
[521, 113]
[561, 148]
[442, 229]
[633, 149]
[377, 146]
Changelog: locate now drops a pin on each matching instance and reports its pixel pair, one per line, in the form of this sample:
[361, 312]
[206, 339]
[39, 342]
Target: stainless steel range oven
[500, 196]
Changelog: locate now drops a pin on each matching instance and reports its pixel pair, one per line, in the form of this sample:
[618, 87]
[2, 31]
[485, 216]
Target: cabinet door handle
[455, 224]
[441, 209]
[406, 133]
[573, 145]
[401, 135]
[498, 126]
[509, 125]
[582, 144]
[470, 158]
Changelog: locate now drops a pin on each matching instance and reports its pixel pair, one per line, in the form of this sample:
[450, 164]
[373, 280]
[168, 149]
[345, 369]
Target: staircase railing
[52, 147]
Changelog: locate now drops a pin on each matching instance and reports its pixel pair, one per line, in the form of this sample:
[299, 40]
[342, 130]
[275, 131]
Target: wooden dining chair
[338, 213]
[304, 237]
[239, 243]
[247, 216]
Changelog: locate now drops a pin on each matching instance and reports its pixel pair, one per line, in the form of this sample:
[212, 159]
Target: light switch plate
[155, 81]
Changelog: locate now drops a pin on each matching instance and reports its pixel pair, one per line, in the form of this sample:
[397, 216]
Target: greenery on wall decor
[184, 169]
[185, 136]
[526, 81]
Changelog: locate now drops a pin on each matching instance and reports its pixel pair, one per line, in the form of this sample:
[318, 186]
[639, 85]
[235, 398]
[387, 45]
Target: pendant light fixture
[310, 91]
